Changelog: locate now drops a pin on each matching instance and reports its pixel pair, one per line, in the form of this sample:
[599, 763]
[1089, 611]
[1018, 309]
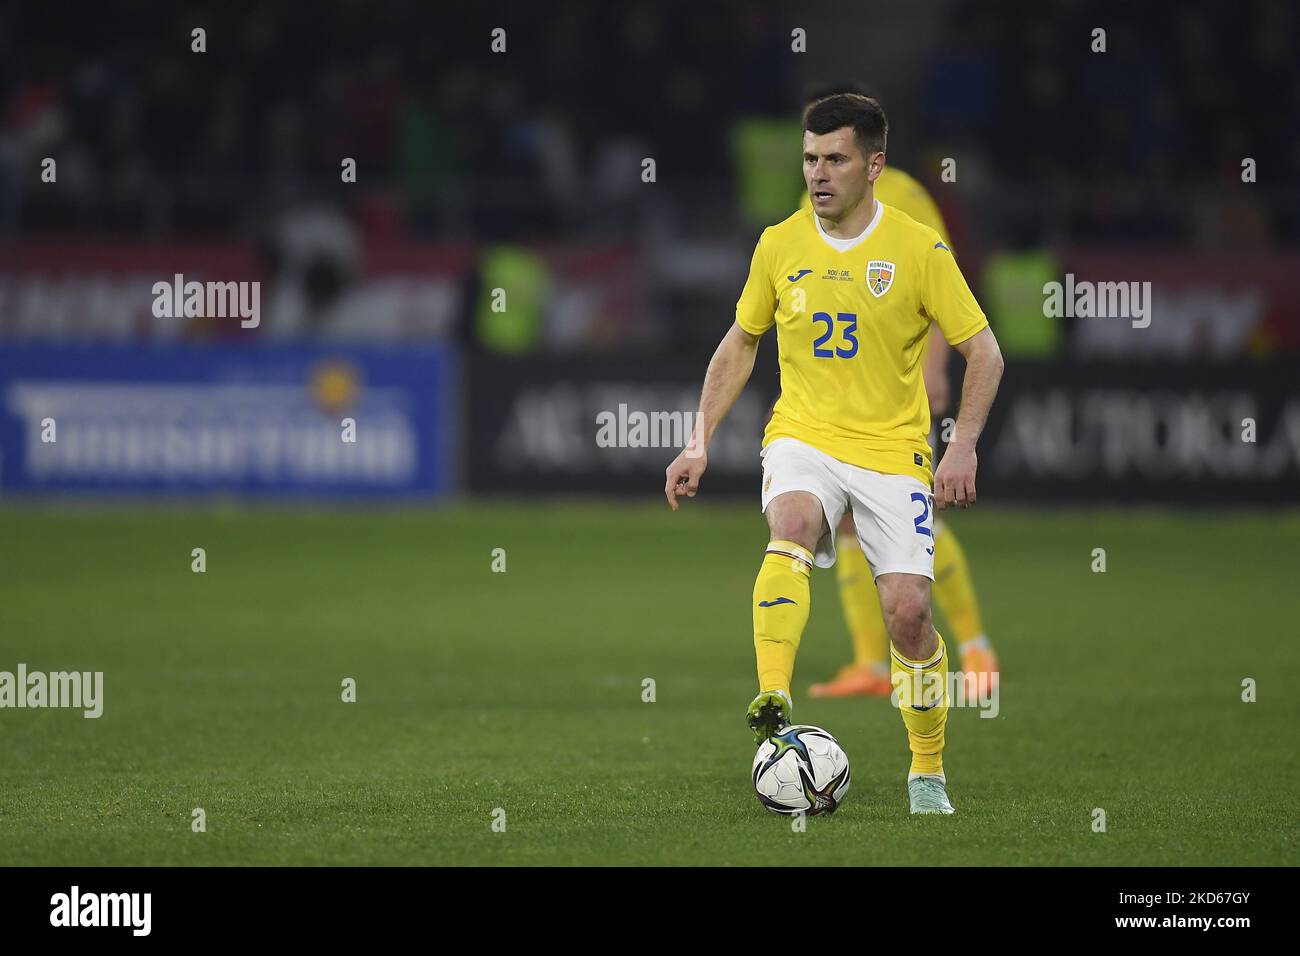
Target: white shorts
[892, 514]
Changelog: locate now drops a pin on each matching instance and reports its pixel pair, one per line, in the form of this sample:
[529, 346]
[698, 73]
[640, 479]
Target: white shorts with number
[891, 513]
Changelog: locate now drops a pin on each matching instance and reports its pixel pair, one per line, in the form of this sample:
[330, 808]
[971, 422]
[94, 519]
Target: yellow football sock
[781, 600]
[861, 603]
[954, 591]
[921, 688]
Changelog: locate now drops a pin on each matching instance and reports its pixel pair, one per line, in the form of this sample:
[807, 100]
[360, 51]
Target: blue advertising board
[262, 420]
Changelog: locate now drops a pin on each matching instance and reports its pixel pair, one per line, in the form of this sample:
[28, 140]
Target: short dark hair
[820, 89]
[849, 109]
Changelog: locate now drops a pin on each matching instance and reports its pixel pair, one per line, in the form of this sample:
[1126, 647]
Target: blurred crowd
[453, 139]
[1142, 142]
[449, 135]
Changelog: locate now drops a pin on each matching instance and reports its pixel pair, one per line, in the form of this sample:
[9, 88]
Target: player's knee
[798, 526]
[907, 615]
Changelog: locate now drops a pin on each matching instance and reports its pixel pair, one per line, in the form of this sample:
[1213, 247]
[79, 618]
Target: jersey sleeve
[945, 296]
[756, 307]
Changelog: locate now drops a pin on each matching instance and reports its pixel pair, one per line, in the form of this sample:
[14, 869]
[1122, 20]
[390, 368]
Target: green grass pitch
[522, 691]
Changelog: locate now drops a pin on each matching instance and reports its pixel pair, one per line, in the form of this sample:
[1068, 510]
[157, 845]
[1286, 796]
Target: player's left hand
[954, 479]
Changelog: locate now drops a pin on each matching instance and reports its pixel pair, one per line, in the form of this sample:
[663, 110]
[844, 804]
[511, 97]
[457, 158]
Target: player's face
[836, 172]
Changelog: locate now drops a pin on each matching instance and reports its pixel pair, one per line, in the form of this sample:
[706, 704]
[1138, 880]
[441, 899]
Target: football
[803, 769]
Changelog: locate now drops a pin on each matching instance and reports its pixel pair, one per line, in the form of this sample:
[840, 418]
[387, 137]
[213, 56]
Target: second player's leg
[954, 595]
[868, 674]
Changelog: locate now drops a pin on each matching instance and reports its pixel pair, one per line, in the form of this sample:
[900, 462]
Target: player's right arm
[729, 370]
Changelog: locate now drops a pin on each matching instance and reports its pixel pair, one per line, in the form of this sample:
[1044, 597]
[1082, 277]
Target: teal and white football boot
[929, 794]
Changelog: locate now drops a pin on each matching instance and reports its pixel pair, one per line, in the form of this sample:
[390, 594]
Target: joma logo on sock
[220, 300]
[74, 689]
[103, 909]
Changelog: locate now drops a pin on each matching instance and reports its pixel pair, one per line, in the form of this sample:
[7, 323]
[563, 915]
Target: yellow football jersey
[852, 318]
[899, 189]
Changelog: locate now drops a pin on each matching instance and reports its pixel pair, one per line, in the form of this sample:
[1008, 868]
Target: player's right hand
[683, 475]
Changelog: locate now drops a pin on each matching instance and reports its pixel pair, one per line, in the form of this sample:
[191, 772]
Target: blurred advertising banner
[313, 277]
[1154, 432]
[261, 420]
[1226, 435]
[104, 291]
[1197, 307]
[310, 281]
[607, 427]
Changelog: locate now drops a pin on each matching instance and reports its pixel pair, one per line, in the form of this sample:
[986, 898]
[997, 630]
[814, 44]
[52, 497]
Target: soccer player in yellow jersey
[852, 287]
[954, 590]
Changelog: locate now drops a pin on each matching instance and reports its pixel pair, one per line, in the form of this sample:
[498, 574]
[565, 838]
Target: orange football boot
[982, 661]
[855, 680]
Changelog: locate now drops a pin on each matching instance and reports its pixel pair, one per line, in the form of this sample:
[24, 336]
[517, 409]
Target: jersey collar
[844, 245]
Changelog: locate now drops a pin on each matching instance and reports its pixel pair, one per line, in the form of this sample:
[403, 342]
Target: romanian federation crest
[880, 275]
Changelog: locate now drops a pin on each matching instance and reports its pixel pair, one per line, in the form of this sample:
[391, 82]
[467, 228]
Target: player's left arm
[954, 479]
[947, 300]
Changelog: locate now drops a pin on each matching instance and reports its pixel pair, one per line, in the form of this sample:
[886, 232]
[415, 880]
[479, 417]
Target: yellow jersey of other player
[852, 316]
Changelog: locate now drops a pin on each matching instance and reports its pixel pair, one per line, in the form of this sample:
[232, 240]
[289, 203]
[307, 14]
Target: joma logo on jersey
[880, 275]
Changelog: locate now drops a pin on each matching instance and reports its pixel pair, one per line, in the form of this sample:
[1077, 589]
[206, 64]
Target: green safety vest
[767, 154]
[1013, 294]
[526, 280]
